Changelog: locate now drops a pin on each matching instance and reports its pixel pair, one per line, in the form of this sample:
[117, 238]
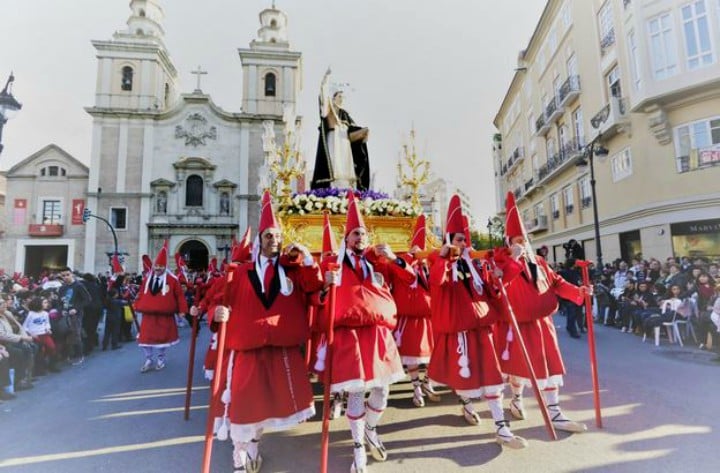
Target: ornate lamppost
[285, 163]
[8, 105]
[418, 171]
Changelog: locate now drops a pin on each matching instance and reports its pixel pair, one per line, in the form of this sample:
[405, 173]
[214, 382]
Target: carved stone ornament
[196, 130]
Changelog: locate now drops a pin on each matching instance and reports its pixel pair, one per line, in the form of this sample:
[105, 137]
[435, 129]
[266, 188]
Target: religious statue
[342, 159]
[162, 203]
[224, 204]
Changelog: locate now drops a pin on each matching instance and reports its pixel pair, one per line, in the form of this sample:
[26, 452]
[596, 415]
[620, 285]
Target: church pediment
[224, 184]
[195, 163]
[162, 183]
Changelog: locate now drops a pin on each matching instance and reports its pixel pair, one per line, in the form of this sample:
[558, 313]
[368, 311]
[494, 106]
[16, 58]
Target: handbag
[60, 326]
[128, 314]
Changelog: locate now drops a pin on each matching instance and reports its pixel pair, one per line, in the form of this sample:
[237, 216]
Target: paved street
[660, 412]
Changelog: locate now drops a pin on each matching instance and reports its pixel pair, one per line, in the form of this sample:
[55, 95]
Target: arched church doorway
[195, 254]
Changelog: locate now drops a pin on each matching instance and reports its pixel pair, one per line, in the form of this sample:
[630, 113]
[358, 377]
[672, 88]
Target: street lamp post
[490, 235]
[8, 105]
[591, 150]
[226, 249]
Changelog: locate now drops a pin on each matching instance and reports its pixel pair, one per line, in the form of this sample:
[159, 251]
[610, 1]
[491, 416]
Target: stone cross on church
[199, 73]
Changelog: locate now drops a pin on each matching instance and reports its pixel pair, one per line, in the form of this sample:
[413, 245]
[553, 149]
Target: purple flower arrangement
[334, 192]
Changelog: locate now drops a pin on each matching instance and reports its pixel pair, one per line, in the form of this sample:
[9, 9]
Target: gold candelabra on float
[283, 164]
[418, 171]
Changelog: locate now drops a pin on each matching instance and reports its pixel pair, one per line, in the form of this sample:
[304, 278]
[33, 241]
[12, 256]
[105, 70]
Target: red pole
[215, 393]
[533, 379]
[191, 367]
[591, 342]
[325, 440]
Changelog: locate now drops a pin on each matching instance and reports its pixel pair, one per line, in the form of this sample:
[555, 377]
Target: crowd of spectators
[639, 296]
[51, 322]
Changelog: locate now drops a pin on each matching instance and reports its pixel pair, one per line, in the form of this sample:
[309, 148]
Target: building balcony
[539, 224]
[586, 202]
[516, 156]
[542, 126]
[573, 148]
[569, 91]
[517, 192]
[612, 118]
[45, 230]
[607, 41]
[552, 112]
[569, 209]
[529, 184]
[555, 165]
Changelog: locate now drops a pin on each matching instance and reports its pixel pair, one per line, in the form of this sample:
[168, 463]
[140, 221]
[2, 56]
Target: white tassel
[509, 336]
[321, 353]
[505, 354]
[222, 431]
[463, 360]
[225, 398]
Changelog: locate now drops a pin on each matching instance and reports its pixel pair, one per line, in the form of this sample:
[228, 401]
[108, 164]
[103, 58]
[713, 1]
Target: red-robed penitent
[534, 312]
[265, 332]
[413, 333]
[158, 327]
[364, 354]
[533, 296]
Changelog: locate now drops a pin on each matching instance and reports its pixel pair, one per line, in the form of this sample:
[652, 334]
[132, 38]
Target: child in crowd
[37, 325]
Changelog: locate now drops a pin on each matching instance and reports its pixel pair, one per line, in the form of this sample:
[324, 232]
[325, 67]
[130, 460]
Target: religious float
[301, 212]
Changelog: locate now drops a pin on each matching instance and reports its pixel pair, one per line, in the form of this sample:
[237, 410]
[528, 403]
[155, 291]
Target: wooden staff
[591, 342]
[526, 356]
[325, 440]
[191, 366]
[215, 393]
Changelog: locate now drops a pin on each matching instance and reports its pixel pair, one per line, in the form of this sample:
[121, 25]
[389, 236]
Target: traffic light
[86, 215]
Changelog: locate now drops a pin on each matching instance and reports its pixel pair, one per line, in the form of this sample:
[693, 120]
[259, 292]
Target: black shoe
[116, 347]
[574, 334]
[6, 396]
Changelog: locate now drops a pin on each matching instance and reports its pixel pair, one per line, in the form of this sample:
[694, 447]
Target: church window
[127, 78]
[273, 23]
[167, 94]
[118, 218]
[270, 84]
[142, 12]
[139, 32]
[43, 171]
[194, 191]
[53, 171]
[63, 172]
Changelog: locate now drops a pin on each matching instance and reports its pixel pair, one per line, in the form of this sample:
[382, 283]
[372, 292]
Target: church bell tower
[135, 72]
[272, 73]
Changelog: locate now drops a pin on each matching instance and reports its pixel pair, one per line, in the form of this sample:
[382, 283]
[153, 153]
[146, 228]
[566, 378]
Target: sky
[442, 67]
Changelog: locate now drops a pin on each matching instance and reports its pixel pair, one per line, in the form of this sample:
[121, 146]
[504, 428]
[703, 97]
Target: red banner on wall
[78, 205]
[19, 211]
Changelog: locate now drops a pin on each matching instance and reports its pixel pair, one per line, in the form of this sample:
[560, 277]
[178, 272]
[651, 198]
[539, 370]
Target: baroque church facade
[171, 165]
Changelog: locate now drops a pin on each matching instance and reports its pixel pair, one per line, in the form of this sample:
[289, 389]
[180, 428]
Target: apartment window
[572, 66]
[552, 42]
[541, 60]
[118, 217]
[194, 191]
[127, 78]
[539, 210]
[550, 149]
[662, 47]
[621, 165]
[566, 15]
[696, 29]
[585, 192]
[526, 216]
[607, 31]
[569, 200]
[535, 163]
[557, 83]
[51, 212]
[577, 117]
[694, 137]
[555, 206]
[634, 60]
[613, 81]
[564, 138]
